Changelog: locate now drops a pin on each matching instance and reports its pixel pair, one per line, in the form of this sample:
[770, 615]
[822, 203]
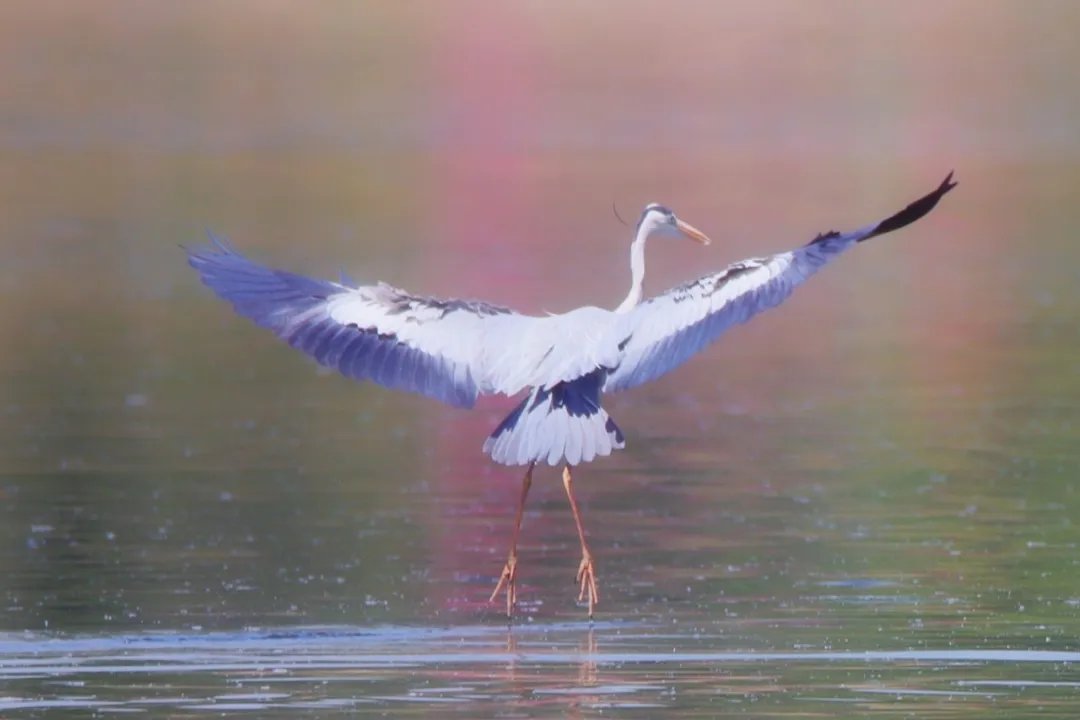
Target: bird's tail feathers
[562, 424]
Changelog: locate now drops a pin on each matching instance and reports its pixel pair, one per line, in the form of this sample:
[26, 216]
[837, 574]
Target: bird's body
[454, 350]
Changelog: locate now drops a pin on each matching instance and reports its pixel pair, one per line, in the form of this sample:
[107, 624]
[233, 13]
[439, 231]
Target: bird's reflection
[588, 650]
[569, 690]
[511, 643]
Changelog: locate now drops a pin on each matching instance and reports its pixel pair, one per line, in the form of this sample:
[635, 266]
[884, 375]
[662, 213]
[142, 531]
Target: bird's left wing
[665, 331]
[377, 332]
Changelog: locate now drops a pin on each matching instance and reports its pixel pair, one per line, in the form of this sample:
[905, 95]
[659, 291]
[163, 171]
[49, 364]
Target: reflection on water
[532, 670]
[863, 503]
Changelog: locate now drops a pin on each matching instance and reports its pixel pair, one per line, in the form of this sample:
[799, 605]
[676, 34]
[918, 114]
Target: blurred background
[904, 429]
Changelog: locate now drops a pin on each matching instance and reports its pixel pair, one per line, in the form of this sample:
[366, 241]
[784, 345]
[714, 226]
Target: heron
[562, 364]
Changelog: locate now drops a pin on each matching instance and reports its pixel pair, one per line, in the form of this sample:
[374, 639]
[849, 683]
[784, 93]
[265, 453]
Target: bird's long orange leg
[586, 574]
[508, 579]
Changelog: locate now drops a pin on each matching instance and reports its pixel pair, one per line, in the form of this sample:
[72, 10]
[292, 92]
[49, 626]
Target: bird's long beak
[692, 232]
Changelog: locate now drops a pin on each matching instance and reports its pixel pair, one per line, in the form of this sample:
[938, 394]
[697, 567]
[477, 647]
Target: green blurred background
[909, 418]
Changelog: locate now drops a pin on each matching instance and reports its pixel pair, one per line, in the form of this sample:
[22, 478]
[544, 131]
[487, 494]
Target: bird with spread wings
[456, 350]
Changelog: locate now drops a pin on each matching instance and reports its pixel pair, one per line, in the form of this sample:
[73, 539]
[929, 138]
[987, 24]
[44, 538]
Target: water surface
[863, 504]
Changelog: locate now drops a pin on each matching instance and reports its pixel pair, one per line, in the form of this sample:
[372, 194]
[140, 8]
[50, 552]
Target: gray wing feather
[664, 332]
[375, 333]
[451, 350]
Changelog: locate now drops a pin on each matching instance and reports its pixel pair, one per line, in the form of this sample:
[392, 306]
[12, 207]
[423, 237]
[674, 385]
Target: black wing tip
[915, 210]
[947, 184]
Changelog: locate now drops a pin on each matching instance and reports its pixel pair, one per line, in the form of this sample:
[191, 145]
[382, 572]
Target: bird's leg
[586, 574]
[508, 579]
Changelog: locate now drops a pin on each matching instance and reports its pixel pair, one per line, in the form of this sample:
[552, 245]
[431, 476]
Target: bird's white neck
[637, 270]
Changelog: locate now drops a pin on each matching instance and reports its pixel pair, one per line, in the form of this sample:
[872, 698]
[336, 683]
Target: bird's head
[659, 220]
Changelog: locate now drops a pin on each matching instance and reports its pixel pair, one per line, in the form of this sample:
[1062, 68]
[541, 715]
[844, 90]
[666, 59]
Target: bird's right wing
[378, 333]
[665, 331]
[451, 350]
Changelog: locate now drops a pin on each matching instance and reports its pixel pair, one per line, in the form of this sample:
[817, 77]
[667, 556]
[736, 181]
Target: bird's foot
[507, 581]
[586, 578]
